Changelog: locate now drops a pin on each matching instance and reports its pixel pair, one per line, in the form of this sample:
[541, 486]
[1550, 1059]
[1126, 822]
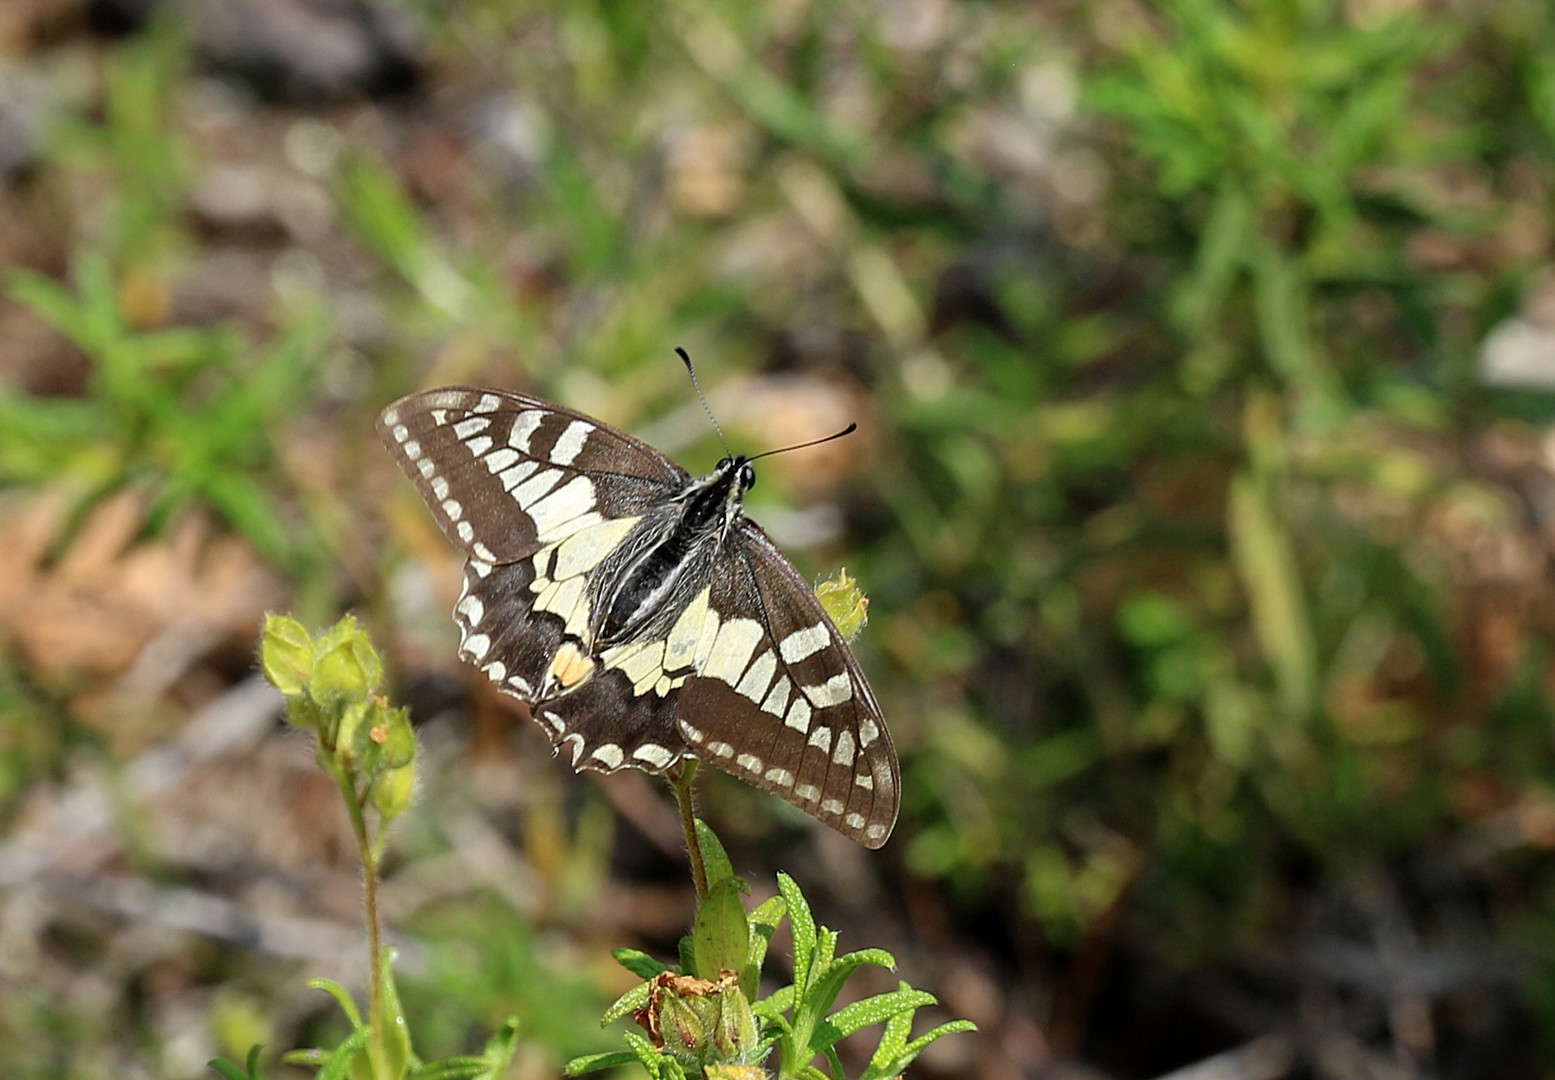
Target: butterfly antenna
[849, 430]
[703, 398]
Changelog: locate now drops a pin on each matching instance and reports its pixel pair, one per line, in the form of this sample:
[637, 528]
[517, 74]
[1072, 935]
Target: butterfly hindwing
[505, 473]
[781, 703]
[601, 724]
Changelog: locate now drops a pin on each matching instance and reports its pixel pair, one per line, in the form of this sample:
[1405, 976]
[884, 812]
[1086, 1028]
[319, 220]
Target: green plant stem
[680, 782]
[354, 804]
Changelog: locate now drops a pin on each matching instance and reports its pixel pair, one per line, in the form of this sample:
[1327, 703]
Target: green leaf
[775, 1004]
[232, 1072]
[634, 999]
[638, 963]
[611, 1059]
[396, 1031]
[343, 999]
[720, 936]
[803, 925]
[340, 1060]
[763, 921]
[714, 858]
[871, 1010]
[828, 982]
[950, 1027]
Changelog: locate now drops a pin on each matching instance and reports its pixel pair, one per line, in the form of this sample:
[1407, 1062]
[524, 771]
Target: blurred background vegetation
[1204, 356]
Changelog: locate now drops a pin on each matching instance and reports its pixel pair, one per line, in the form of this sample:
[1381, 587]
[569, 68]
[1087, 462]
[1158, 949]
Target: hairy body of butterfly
[637, 610]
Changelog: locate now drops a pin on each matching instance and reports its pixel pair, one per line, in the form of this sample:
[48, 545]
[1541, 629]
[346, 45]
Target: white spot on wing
[452, 508]
[821, 738]
[472, 609]
[413, 449]
[479, 445]
[731, 652]
[798, 716]
[530, 490]
[487, 403]
[569, 444]
[524, 426]
[654, 755]
[473, 426]
[758, 678]
[803, 643]
[477, 646]
[777, 700]
[807, 792]
[641, 662]
[854, 821]
[780, 777]
[466, 533]
[681, 646]
[440, 487]
[608, 753]
[401, 433]
[500, 459]
[565, 503]
[834, 691]
[868, 731]
[586, 548]
[749, 761]
[843, 753]
[831, 806]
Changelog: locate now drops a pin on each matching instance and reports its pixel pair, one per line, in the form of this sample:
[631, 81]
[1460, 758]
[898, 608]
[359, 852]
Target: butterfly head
[740, 469]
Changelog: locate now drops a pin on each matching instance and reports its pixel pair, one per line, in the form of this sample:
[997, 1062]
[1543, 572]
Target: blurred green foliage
[1182, 531]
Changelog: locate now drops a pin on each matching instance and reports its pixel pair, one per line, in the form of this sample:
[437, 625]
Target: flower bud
[286, 654]
[845, 603]
[339, 675]
[392, 791]
[735, 1032]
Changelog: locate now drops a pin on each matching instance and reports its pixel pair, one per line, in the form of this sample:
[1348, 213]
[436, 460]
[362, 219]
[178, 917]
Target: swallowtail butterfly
[637, 610]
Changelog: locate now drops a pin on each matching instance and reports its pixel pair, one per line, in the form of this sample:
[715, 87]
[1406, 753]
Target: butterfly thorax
[672, 556]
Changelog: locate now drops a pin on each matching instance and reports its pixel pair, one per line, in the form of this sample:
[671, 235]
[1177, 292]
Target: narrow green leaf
[951, 1027]
[714, 858]
[775, 1004]
[638, 963]
[803, 926]
[871, 1010]
[635, 998]
[610, 1059]
[343, 999]
[340, 1060]
[827, 983]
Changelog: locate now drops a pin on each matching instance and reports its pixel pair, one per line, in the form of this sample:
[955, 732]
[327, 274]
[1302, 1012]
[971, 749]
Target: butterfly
[637, 610]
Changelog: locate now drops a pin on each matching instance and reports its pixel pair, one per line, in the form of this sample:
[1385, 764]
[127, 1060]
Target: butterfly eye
[724, 464]
[747, 477]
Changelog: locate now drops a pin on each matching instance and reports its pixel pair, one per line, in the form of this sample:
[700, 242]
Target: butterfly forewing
[737, 664]
[504, 473]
